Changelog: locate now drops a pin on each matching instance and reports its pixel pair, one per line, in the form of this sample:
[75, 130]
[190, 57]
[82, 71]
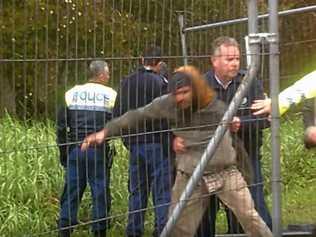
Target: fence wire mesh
[47, 48]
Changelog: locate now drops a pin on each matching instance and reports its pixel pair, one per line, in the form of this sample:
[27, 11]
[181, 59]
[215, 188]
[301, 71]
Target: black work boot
[99, 233]
[64, 233]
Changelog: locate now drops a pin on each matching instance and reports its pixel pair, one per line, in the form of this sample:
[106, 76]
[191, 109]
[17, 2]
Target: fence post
[275, 123]
[183, 42]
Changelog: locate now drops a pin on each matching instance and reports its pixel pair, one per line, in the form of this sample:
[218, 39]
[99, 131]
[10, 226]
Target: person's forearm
[128, 120]
[155, 110]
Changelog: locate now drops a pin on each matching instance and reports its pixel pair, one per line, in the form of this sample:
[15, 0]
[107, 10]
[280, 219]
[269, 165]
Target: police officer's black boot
[64, 233]
[99, 233]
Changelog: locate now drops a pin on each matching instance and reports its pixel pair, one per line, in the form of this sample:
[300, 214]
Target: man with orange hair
[192, 108]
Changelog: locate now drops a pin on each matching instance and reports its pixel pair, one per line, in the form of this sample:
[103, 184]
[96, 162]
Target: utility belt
[109, 152]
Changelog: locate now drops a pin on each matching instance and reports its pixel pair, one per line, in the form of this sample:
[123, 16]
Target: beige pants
[231, 188]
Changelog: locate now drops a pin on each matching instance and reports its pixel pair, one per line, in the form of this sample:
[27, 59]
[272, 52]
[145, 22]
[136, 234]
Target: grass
[31, 180]
[299, 206]
[298, 171]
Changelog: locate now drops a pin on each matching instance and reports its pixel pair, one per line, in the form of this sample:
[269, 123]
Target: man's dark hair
[152, 55]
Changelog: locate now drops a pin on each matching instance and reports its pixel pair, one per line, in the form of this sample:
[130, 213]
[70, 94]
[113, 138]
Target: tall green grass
[31, 180]
[298, 172]
[30, 177]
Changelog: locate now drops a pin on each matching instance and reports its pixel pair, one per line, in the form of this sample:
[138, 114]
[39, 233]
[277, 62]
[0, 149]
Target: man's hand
[235, 124]
[94, 139]
[178, 145]
[310, 137]
[261, 106]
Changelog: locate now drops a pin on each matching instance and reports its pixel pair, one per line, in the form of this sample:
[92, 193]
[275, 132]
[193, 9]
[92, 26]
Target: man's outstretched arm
[161, 107]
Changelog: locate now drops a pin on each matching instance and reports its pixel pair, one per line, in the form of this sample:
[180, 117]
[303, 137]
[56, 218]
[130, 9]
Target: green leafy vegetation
[298, 170]
[31, 180]
[47, 45]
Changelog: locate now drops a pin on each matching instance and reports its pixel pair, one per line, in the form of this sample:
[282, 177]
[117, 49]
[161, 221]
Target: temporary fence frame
[254, 41]
[184, 30]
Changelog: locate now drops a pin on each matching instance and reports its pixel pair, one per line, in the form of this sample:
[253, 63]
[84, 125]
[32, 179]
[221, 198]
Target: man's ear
[157, 67]
[141, 60]
[103, 77]
[213, 61]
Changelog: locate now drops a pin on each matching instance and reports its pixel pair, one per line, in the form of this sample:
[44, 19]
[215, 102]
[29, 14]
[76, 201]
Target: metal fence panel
[46, 48]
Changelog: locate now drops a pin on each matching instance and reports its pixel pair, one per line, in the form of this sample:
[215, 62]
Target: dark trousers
[207, 227]
[93, 167]
[149, 169]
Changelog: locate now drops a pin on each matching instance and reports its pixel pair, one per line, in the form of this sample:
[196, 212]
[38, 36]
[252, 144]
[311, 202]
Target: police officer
[150, 166]
[88, 108]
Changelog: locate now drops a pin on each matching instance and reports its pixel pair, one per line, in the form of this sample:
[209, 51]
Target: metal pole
[248, 54]
[253, 22]
[245, 19]
[183, 42]
[275, 123]
[221, 129]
